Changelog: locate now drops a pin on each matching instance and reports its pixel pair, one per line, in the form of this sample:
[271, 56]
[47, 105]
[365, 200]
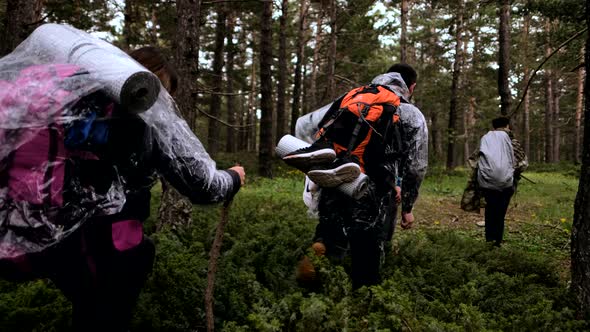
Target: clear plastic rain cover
[58, 91]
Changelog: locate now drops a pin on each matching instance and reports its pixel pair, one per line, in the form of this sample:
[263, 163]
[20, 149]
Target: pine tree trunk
[215, 102]
[296, 106]
[331, 92]
[314, 94]
[556, 122]
[581, 227]
[504, 60]
[403, 41]
[232, 109]
[252, 111]
[187, 50]
[130, 25]
[452, 129]
[283, 71]
[548, 100]
[20, 19]
[175, 209]
[579, 107]
[266, 121]
[526, 130]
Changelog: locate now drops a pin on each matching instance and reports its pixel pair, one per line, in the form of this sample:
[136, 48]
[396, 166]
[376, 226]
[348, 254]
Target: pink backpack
[32, 158]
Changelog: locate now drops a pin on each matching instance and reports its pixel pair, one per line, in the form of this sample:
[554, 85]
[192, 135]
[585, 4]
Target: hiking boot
[316, 154]
[339, 172]
[481, 223]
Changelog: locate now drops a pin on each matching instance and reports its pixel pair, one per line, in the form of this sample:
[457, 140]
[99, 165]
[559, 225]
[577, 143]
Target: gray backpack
[496, 161]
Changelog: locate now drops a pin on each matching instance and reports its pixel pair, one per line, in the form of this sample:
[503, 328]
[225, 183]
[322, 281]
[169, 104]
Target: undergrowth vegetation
[439, 276]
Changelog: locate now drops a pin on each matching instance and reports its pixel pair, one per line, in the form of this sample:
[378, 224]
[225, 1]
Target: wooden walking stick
[212, 268]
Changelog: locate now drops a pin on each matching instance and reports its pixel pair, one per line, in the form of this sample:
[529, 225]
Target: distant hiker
[500, 162]
[102, 265]
[373, 130]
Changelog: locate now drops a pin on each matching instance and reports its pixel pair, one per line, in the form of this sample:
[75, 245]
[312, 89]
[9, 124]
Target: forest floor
[439, 276]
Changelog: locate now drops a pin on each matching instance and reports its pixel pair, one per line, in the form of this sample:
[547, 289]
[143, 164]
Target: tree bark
[252, 111]
[556, 122]
[403, 41]
[526, 130]
[314, 94]
[581, 226]
[130, 28]
[331, 92]
[20, 19]
[175, 209]
[214, 132]
[266, 121]
[452, 129]
[283, 71]
[548, 100]
[578, 116]
[232, 109]
[295, 108]
[504, 58]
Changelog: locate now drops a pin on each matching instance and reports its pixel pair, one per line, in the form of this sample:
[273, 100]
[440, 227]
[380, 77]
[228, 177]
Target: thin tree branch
[224, 122]
[578, 34]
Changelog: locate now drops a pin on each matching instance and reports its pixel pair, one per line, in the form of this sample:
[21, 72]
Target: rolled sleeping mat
[357, 188]
[124, 80]
[288, 144]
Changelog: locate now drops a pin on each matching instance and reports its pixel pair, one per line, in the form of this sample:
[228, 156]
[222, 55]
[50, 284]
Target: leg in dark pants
[103, 284]
[365, 252]
[496, 206]
[345, 222]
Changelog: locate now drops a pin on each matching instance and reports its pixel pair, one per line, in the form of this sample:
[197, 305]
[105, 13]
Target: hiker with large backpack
[500, 162]
[373, 133]
[77, 165]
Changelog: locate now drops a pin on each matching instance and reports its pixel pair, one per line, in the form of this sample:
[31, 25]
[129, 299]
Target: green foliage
[433, 280]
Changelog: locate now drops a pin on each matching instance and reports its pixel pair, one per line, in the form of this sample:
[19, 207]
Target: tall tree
[403, 39]
[175, 209]
[214, 133]
[266, 107]
[555, 121]
[296, 105]
[332, 49]
[20, 19]
[526, 130]
[283, 71]
[548, 99]
[579, 107]
[314, 94]
[504, 58]
[232, 107]
[581, 227]
[131, 24]
[452, 129]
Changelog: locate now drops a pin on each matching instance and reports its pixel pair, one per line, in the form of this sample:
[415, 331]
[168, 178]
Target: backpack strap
[357, 128]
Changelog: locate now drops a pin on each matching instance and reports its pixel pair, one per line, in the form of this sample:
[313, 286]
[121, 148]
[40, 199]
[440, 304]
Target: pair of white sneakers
[321, 165]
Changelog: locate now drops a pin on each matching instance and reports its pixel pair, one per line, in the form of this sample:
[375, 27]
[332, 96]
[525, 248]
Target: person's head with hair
[152, 58]
[408, 74]
[501, 122]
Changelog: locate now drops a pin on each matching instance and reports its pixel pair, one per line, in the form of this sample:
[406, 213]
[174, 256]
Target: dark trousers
[356, 228]
[497, 202]
[102, 282]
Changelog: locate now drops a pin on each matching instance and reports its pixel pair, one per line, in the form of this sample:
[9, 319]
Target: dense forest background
[249, 68]
[248, 75]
